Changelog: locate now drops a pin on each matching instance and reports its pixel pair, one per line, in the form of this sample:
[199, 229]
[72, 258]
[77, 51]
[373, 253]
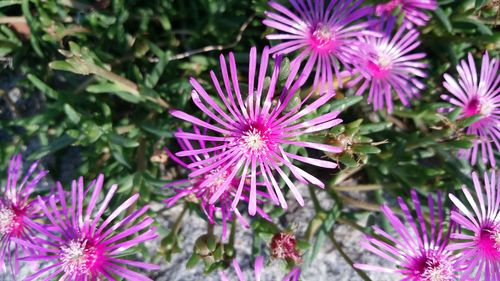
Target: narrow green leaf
[122, 141]
[44, 88]
[59, 143]
[71, 113]
[443, 18]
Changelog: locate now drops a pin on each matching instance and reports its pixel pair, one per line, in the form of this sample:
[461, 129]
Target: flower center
[380, 66]
[433, 266]
[78, 256]
[255, 139]
[438, 270]
[283, 246]
[475, 106]
[215, 183]
[8, 220]
[489, 242]
[322, 38]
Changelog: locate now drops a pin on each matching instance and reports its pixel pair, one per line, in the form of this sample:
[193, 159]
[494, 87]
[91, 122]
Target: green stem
[346, 257]
[178, 221]
[317, 205]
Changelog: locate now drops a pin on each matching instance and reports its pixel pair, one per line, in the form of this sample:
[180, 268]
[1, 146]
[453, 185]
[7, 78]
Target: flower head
[419, 252]
[413, 10]
[17, 210]
[326, 35]
[388, 64]
[479, 242]
[252, 134]
[284, 246]
[194, 186]
[79, 244]
[478, 96]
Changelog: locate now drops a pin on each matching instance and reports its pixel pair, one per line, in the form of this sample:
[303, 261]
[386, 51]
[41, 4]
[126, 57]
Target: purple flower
[252, 135]
[387, 64]
[478, 96]
[81, 244]
[418, 252]
[293, 275]
[327, 35]
[412, 10]
[203, 193]
[16, 211]
[480, 241]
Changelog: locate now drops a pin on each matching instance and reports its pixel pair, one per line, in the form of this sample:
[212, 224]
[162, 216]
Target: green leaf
[59, 143]
[122, 141]
[6, 3]
[344, 103]
[443, 18]
[71, 113]
[479, 4]
[374, 128]
[464, 144]
[466, 122]
[365, 149]
[44, 88]
[117, 153]
[154, 76]
[61, 65]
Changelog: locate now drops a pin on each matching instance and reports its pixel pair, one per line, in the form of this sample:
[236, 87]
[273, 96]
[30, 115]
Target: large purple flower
[478, 96]
[203, 193]
[413, 10]
[253, 134]
[17, 210]
[327, 35]
[479, 241]
[81, 244]
[388, 64]
[418, 252]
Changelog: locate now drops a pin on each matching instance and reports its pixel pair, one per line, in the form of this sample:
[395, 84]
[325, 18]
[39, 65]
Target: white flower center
[254, 140]
[496, 236]
[78, 257]
[438, 269]
[7, 220]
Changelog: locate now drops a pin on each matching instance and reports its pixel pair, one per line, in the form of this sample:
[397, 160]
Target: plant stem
[178, 221]
[346, 257]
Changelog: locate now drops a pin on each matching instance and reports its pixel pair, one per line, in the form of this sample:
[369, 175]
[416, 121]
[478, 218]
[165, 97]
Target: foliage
[97, 79]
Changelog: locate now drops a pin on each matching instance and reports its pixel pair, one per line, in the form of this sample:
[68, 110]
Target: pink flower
[81, 244]
[252, 135]
[478, 96]
[203, 193]
[412, 10]
[418, 252]
[388, 64]
[327, 35]
[479, 242]
[16, 211]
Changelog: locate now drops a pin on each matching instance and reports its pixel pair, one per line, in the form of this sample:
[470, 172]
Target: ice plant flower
[388, 64]
[414, 10]
[479, 241]
[284, 246]
[326, 35]
[17, 209]
[478, 96]
[252, 134]
[293, 275]
[418, 251]
[81, 244]
[192, 186]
